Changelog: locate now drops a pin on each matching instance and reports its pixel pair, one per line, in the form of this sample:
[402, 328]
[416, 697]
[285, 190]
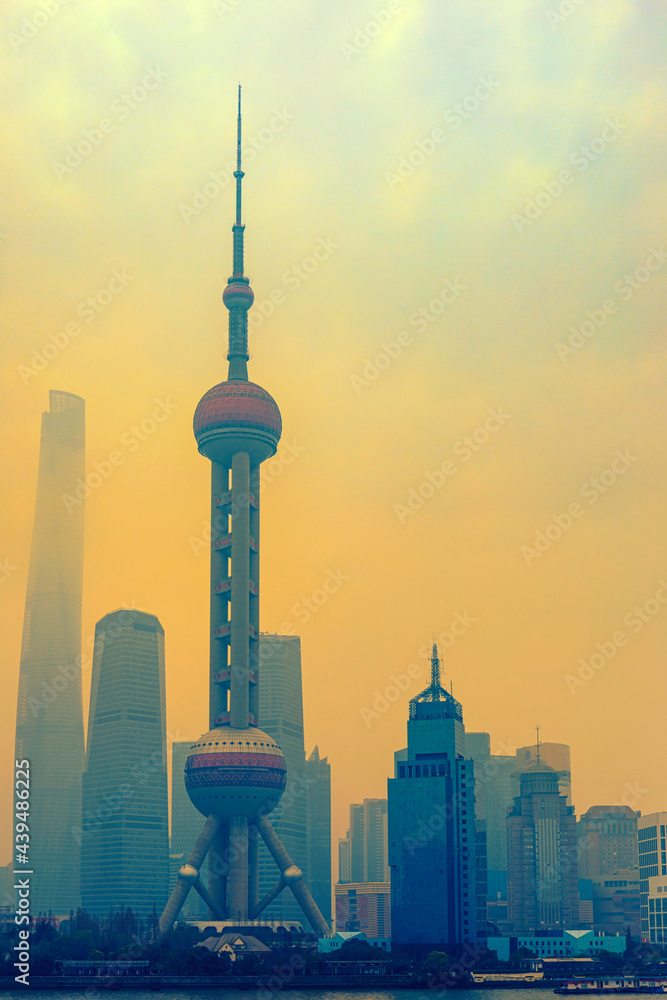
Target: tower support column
[240, 592]
[218, 868]
[238, 869]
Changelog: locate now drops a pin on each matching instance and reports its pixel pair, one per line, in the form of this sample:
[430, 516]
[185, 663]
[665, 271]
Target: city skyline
[337, 554]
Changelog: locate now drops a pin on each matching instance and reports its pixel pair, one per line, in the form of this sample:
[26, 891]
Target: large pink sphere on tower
[235, 772]
[237, 416]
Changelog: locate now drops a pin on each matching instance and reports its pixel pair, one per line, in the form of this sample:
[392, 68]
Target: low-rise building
[559, 945]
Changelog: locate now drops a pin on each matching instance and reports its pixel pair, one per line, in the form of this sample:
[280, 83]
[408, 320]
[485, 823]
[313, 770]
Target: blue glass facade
[125, 830]
[433, 834]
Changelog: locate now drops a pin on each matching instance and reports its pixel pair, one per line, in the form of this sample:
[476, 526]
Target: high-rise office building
[356, 837]
[493, 791]
[542, 855]
[124, 825]
[49, 718]
[651, 831]
[318, 830]
[281, 717]
[362, 854]
[344, 869]
[185, 827]
[376, 866]
[607, 840]
[432, 826]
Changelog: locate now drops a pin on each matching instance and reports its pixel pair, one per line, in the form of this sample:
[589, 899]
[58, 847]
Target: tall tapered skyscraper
[49, 718]
[125, 826]
[235, 773]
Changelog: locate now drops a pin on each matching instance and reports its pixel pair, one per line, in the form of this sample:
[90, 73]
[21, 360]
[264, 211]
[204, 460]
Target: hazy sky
[470, 193]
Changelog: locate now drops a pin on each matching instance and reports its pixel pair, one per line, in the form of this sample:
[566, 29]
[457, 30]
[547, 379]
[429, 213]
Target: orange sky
[487, 163]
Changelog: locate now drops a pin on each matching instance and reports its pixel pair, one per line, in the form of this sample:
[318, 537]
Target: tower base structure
[241, 846]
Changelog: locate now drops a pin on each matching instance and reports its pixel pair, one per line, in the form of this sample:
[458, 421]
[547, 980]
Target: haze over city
[454, 224]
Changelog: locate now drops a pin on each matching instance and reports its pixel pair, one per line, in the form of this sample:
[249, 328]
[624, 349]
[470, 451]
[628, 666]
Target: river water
[197, 993]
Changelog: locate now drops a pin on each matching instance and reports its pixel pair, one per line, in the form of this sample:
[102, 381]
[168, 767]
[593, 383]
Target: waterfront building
[281, 718]
[542, 855]
[653, 877]
[561, 945]
[124, 822]
[318, 830]
[432, 827]
[607, 840]
[364, 906]
[49, 717]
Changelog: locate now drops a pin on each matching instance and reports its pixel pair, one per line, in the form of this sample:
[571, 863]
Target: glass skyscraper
[124, 824]
[433, 850]
[318, 831]
[49, 718]
[281, 717]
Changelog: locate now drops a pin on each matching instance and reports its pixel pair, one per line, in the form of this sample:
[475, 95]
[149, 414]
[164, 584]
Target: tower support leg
[188, 875]
[292, 877]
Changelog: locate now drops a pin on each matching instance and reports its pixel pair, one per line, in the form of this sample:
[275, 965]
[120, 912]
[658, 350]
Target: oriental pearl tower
[235, 774]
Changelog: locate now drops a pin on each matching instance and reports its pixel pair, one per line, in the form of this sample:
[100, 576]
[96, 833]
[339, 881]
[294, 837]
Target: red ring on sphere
[237, 404]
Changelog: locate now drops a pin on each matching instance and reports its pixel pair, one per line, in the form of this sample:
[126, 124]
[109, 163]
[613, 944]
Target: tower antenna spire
[238, 295]
[538, 744]
[239, 175]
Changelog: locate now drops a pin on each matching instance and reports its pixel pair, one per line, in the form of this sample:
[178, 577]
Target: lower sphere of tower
[235, 772]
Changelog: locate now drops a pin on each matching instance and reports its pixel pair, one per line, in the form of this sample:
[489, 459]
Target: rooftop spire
[238, 295]
[435, 668]
[435, 693]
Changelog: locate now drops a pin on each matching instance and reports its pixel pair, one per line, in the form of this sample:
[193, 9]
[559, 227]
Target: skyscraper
[235, 773]
[376, 867]
[281, 716]
[344, 871]
[356, 837]
[124, 826]
[362, 854]
[185, 826]
[651, 830]
[318, 830]
[607, 840]
[542, 855]
[494, 789]
[49, 718]
[432, 827]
